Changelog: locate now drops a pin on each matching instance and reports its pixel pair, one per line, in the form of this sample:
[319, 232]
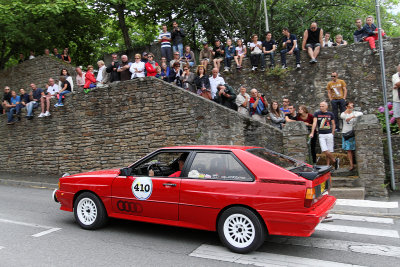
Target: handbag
[206, 94]
[264, 112]
[348, 135]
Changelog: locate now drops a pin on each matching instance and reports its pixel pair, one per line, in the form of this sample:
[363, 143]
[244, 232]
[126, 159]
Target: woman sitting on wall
[202, 83]
[90, 80]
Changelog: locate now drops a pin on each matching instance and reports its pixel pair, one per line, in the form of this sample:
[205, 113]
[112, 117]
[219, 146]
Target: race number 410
[142, 188]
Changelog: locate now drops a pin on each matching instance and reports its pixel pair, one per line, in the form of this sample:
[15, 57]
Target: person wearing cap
[205, 55]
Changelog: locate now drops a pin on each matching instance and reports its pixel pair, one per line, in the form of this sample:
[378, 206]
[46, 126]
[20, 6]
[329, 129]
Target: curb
[28, 184]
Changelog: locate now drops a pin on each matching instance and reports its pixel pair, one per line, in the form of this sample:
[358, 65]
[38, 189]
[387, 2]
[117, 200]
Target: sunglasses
[185, 69]
[150, 56]
[333, 76]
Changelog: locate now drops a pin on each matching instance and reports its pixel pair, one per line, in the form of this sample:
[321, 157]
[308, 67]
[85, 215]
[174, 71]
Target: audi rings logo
[131, 207]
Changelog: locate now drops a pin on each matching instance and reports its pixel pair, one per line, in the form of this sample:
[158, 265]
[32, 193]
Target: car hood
[98, 174]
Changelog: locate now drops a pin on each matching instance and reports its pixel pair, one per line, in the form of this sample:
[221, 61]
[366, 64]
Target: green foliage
[394, 129]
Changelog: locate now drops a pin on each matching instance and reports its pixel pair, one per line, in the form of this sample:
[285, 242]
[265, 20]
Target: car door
[212, 180]
[149, 196]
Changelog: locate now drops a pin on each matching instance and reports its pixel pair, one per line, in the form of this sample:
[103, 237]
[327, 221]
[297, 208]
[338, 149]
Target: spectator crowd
[177, 65]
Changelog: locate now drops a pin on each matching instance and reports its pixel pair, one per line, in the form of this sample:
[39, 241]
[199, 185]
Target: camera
[262, 95]
[226, 91]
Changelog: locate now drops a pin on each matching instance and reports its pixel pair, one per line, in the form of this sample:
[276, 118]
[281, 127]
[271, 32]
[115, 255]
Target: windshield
[276, 158]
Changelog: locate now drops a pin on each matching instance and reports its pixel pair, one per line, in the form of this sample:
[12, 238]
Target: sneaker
[284, 67]
[11, 122]
[315, 60]
[262, 69]
[298, 66]
[226, 69]
[41, 115]
[253, 68]
[337, 163]
[238, 66]
[61, 105]
[56, 105]
[29, 117]
[311, 61]
[47, 114]
[374, 51]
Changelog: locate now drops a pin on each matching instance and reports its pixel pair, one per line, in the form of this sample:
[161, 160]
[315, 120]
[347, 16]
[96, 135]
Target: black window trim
[189, 161]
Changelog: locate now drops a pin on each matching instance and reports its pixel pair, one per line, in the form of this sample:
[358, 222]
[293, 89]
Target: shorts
[326, 142]
[349, 144]
[396, 109]
[219, 58]
[313, 46]
[206, 58]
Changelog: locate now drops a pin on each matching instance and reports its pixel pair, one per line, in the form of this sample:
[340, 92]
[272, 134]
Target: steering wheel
[155, 166]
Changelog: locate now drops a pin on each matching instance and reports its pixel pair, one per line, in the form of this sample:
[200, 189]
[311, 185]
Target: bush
[394, 129]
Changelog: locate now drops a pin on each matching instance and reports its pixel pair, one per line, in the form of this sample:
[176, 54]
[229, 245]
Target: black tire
[89, 211]
[240, 230]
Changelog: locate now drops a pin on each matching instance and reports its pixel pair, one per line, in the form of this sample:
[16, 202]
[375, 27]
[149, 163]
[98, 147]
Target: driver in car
[181, 161]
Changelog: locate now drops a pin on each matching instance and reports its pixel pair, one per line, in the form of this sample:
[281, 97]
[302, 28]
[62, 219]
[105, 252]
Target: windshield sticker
[142, 188]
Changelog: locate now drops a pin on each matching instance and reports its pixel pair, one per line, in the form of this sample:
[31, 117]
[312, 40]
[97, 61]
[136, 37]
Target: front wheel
[240, 230]
[89, 211]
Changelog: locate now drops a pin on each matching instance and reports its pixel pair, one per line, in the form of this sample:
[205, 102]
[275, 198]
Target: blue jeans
[10, 114]
[228, 62]
[338, 103]
[296, 51]
[179, 48]
[167, 53]
[61, 95]
[30, 106]
[271, 57]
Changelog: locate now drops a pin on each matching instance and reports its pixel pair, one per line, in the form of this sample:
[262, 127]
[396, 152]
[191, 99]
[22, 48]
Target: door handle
[169, 184]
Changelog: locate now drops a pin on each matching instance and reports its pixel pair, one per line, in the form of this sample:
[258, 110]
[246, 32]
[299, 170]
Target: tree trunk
[120, 8]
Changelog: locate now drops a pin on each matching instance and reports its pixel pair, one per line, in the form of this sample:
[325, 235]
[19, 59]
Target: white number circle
[142, 188]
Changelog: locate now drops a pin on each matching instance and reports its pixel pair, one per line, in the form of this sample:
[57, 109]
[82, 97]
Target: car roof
[211, 147]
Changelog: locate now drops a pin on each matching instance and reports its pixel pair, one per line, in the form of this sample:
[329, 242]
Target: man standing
[226, 96]
[258, 103]
[177, 36]
[269, 48]
[52, 91]
[165, 40]
[359, 33]
[337, 93]
[215, 80]
[102, 76]
[113, 69]
[35, 97]
[396, 98]
[80, 77]
[325, 123]
[289, 47]
[123, 69]
[312, 41]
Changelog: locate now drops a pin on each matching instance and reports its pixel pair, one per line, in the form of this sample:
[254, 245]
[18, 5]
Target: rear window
[276, 158]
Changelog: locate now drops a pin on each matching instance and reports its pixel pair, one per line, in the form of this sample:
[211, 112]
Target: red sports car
[243, 193]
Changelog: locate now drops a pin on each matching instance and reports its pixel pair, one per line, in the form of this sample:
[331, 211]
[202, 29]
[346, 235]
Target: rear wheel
[89, 211]
[240, 230]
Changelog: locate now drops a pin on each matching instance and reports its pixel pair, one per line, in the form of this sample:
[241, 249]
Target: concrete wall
[116, 125]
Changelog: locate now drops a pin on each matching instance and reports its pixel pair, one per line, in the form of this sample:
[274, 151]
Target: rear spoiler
[311, 173]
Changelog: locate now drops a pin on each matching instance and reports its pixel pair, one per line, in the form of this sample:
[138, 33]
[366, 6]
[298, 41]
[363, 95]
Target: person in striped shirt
[165, 40]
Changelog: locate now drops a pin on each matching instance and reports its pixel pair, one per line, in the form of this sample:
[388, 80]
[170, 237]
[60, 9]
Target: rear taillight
[310, 197]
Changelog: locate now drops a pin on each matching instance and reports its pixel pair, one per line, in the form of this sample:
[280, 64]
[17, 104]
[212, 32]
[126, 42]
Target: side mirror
[125, 172]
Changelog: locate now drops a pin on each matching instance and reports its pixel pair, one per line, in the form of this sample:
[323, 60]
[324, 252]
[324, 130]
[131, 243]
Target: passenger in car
[181, 161]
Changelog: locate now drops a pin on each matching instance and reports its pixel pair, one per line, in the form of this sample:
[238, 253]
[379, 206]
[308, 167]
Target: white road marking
[367, 203]
[342, 245]
[259, 258]
[357, 230]
[1, 247]
[361, 218]
[46, 232]
[50, 229]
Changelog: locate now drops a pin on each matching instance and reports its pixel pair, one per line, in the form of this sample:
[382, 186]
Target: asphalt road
[34, 232]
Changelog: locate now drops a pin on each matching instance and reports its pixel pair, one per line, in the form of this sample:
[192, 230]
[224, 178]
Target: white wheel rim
[87, 211]
[239, 230]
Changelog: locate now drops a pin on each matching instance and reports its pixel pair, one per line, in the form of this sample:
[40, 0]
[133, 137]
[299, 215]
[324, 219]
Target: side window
[218, 166]
[163, 164]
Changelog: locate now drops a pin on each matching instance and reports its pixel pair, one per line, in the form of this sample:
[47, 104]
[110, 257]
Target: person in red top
[151, 66]
[90, 80]
[307, 118]
[181, 162]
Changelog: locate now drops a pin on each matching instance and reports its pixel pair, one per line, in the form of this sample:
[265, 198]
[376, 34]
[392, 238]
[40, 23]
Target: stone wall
[115, 125]
[370, 155]
[37, 71]
[354, 63]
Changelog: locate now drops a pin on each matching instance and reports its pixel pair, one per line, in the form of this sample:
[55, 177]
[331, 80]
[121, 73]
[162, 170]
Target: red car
[243, 193]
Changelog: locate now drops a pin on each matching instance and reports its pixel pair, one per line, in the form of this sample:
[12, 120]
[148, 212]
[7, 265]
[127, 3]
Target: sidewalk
[29, 180]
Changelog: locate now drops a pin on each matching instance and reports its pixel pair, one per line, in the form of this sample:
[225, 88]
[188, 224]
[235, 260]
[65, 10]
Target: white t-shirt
[139, 67]
[256, 49]
[348, 126]
[52, 90]
[395, 79]
[214, 82]
[240, 50]
[100, 74]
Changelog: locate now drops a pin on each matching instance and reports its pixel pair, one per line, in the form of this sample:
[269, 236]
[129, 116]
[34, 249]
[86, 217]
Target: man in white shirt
[396, 98]
[215, 80]
[80, 77]
[242, 101]
[52, 91]
[102, 75]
